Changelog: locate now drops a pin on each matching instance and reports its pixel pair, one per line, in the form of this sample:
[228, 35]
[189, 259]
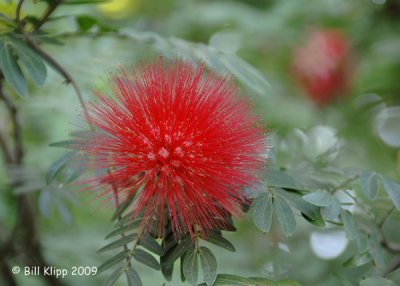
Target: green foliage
[217, 239]
[234, 280]
[393, 190]
[373, 281]
[113, 261]
[11, 70]
[307, 185]
[32, 62]
[119, 242]
[122, 207]
[191, 266]
[369, 185]
[133, 277]
[145, 258]
[15, 54]
[285, 216]
[208, 265]
[262, 211]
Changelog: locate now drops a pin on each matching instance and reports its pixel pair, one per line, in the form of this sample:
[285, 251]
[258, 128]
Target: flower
[178, 141]
[321, 65]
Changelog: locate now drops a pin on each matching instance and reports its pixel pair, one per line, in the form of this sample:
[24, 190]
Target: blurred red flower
[322, 64]
[183, 134]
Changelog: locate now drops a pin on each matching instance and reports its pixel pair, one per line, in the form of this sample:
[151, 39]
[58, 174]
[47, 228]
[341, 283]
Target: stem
[17, 130]
[394, 266]
[50, 60]
[46, 15]
[4, 148]
[345, 183]
[116, 199]
[384, 243]
[384, 219]
[7, 275]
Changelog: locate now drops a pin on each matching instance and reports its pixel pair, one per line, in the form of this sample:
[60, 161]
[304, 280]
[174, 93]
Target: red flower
[184, 135]
[322, 65]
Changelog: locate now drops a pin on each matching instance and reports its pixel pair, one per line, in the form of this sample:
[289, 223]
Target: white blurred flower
[387, 125]
[328, 244]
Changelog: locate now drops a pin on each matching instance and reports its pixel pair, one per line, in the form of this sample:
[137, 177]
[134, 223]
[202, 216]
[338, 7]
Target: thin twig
[394, 266]
[116, 199]
[345, 183]
[17, 132]
[384, 219]
[384, 243]
[50, 9]
[6, 151]
[51, 61]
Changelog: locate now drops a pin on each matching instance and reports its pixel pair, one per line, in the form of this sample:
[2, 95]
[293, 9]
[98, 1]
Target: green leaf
[64, 144]
[146, 259]
[32, 62]
[285, 216]
[166, 269]
[393, 190]
[183, 278]
[113, 261]
[11, 71]
[310, 212]
[83, 2]
[63, 211]
[208, 265]
[114, 276]
[350, 225]
[319, 198]
[375, 249]
[332, 211]
[369, 185]
[263, 212]
[131, 219]
[362, 242]
[126, 203]
[45, 202]
[168, 244]
[217, 239]
[118, 243]
[58, 165]
[375, 281]
[358, 260]
[266, 282]
[179, 250]
[86, 22]
[231, 280]
[120, 230]
[151, 244]
[133, 277]
[191, 267]
[280, 179]
[234, 280]
[74, 170]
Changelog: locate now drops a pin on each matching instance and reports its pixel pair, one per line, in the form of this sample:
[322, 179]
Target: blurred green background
[363, 124]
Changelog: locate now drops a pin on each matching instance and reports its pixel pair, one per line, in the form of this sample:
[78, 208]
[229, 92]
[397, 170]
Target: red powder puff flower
[180, 141]
[322, 65]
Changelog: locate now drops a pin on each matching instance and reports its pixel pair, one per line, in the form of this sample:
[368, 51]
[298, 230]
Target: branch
[345, 183]
[50, 9]
[17, 132]
[4, 148]
[6, 273]
[394, 266]
[50, 60]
